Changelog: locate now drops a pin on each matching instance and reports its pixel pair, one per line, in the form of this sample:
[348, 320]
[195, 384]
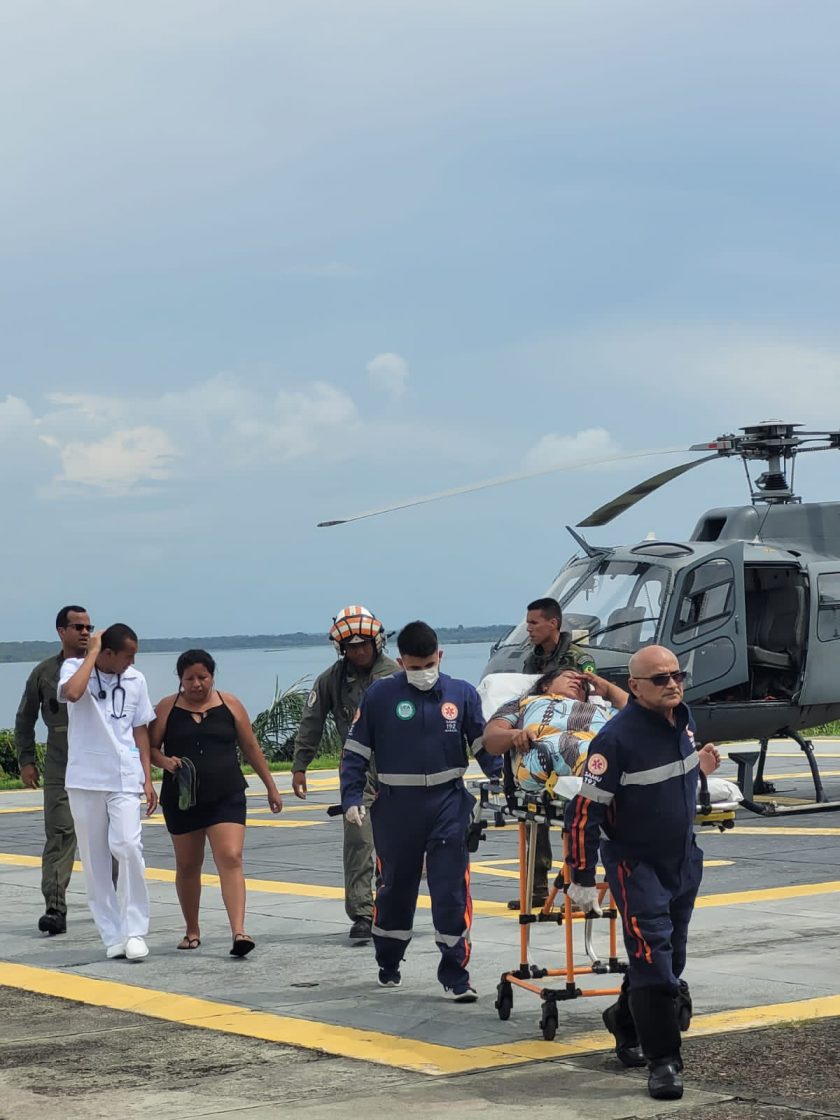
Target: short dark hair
[549, 607]
[115, 637]
[63, 616]
[192, 657]
[417, 639]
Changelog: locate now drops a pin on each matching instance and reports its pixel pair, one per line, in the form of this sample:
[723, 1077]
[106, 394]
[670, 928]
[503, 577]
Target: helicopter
[750, 603]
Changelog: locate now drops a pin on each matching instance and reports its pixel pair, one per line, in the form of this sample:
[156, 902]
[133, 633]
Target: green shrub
[276, 727]
[8, 756]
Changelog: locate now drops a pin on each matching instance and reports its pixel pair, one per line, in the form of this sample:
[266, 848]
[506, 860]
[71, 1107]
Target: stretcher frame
[530, 811]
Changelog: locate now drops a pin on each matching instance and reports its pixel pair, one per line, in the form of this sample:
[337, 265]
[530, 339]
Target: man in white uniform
[108, 770]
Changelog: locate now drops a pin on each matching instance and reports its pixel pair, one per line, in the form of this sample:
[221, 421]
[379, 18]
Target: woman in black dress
[199, 727]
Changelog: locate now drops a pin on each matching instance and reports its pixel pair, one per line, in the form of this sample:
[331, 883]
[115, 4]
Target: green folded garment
[187, 780]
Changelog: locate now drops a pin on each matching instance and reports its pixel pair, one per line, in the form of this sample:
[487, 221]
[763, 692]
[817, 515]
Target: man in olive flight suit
[40, 697]
[359, 639]
[552, 651]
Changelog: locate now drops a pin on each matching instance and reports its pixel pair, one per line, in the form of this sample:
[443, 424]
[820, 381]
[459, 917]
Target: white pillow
[497, 688]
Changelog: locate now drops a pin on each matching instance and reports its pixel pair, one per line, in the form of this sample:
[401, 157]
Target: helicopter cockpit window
[708, 599]
[828, 617]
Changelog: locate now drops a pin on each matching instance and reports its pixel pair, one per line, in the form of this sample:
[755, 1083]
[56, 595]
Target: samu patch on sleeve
[596, 766]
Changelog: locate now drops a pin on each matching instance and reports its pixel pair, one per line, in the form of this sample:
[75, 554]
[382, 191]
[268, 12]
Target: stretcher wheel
[548, 1021]
[504, 1000]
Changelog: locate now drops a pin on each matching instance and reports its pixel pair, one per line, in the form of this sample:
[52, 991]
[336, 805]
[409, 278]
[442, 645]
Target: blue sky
[266, 263]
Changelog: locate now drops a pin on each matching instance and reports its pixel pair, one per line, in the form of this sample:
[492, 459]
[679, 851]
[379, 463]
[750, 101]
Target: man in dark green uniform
[553, 650]
[359, 639]
[39, 697]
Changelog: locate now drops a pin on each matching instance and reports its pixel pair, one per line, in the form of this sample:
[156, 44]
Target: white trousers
[108, 824]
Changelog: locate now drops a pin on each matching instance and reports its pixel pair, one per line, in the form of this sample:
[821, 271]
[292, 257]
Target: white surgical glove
[355, 815]
[585, 898]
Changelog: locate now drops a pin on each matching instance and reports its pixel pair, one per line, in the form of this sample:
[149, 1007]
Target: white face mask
[424, 679]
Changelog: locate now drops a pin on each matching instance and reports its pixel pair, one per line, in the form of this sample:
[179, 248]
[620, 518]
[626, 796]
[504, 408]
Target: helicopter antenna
[590, 550]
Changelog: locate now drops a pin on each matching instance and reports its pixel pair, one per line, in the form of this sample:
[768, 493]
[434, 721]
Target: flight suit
[565, 655]
[419, 742]
[40, 696]
[639, 794]
[339, 691]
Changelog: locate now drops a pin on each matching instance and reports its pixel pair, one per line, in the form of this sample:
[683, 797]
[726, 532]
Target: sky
[270, 262]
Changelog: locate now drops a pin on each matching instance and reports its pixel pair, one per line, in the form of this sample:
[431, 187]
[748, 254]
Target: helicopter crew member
[417, 727]
[40, 696]
[359, 639]
[553, 651]
[639, 790]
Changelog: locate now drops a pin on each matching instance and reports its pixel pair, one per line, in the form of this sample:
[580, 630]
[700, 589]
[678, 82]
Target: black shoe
[665, 1081]
[627, 1048]
[360, 930]
[53, 922]
[538, 900]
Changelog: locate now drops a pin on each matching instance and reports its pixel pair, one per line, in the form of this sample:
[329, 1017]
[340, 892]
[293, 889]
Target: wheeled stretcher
[530, 811]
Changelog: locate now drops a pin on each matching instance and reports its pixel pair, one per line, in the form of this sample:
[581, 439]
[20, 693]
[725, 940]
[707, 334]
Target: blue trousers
[655, 902]
[410, 824]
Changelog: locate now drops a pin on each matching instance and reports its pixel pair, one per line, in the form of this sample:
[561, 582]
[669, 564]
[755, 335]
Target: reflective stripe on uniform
[438, 779]
[357, 748]
[661, 773]
[592, 793]
[394, 934]
[451, 940]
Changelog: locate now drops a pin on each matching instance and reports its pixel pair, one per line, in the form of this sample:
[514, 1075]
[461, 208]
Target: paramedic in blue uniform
[417, 727]
[639, 794]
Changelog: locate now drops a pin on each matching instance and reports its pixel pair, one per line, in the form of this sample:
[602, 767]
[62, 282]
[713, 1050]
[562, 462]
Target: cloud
[555, 450]
[119, 462]
[389, 373]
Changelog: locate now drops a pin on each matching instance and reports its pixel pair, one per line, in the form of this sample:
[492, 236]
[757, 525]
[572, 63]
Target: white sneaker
[136, 949]
[115, 952]
[464, 993]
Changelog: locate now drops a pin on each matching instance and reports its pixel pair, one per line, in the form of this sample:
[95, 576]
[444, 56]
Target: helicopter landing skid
[751, 785]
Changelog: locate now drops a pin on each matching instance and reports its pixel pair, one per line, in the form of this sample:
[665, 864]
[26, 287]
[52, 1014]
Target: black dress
[220, 786]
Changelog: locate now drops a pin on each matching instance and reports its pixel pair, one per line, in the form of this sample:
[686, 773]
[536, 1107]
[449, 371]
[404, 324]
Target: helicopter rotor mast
[777, 444]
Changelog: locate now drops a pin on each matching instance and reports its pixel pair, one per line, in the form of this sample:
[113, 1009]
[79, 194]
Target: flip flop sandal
[242, 945]
[189, 943]
[186, 782]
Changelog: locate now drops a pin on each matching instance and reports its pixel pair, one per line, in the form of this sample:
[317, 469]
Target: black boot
[665, 1081]
[619, 1022]
[655, 1015]
[53, 922]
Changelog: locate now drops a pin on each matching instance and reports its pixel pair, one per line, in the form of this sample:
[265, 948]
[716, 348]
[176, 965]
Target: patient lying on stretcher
[549, 727]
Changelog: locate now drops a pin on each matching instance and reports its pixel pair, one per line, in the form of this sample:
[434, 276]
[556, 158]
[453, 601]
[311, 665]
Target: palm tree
[276, 727]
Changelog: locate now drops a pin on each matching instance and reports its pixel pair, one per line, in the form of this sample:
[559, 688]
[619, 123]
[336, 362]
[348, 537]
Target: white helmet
[356, 624]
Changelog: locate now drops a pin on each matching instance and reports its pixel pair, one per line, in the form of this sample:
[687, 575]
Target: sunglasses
[80, 626]
[661, 679]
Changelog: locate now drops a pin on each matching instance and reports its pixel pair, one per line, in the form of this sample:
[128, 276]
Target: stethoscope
[102, 694]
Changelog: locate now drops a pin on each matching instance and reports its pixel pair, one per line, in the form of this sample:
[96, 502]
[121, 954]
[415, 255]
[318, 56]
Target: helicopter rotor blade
[611, 509]
[472, 487]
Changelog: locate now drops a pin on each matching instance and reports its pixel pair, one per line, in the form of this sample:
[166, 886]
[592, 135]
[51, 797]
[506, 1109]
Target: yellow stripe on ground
[367, 1045]
[25, 809]
[780, 830]
[489, 909]
[801, 774]
[490, 869]
[254, 824]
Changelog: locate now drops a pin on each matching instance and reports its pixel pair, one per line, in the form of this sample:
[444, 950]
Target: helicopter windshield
[616, 602]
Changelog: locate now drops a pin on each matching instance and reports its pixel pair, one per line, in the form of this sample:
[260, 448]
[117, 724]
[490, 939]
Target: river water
[250, 674]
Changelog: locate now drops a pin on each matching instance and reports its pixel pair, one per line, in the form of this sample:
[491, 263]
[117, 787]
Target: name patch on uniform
[449, 710]
[596, 764]
[312, 699]
[405, 710]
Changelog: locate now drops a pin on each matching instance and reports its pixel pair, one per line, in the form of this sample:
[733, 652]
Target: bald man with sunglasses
[637, 802]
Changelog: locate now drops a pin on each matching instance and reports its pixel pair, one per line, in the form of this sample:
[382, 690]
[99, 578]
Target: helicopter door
[704, 621]
[823, 644]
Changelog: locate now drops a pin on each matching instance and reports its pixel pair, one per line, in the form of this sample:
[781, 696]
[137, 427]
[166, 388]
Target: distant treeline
[449, 635]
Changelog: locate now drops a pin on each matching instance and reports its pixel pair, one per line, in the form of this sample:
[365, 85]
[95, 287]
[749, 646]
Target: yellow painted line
[489, 909]
[769, 894]
[501, 873]
[780, 830]
[367, 1045]
[802, 774]
[24, 809]
[254, 824]
[292, 805]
